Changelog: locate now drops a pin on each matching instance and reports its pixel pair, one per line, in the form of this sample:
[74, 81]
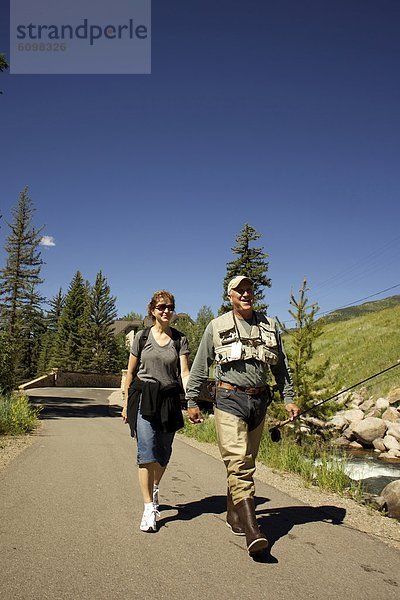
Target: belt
[251, 391]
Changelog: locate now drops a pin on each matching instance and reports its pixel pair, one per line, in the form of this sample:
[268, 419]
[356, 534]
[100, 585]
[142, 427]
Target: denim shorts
[153, 445]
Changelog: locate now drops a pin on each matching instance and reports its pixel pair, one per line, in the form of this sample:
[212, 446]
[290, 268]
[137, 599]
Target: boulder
[367, 430]
[392, 456]
[338, 422]
[389, 499]
[340, 442]
[356, 400]
[391, 443]
[379, 445]
[354, 414]
[355, 445]
[393, 429]
[394, 396]
[367, 405]
[382, 404]
[391, 414]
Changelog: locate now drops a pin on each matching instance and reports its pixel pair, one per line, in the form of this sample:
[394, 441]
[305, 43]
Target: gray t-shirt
[158, 363]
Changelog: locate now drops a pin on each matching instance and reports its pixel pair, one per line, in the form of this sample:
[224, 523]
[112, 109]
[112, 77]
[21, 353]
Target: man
[243, 344]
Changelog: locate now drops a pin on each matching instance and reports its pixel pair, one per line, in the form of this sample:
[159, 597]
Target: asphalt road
[70, 509]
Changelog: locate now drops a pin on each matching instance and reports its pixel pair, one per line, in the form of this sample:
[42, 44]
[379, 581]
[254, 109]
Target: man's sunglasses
[163, 307]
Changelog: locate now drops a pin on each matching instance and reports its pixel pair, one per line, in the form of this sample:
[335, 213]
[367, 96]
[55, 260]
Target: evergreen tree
[194, 330]
[250, 262]
[100, 344]
[307, 382]
[19, 281]
[7, 374]
[53, 315]
[72, 327]
[3, 64]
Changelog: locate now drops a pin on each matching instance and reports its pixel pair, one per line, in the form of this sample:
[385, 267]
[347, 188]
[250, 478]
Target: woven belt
[251, 391]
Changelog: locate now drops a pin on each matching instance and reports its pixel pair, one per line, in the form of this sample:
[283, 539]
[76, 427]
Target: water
[373, 473]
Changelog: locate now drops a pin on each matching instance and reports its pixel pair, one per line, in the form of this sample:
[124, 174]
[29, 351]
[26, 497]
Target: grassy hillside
[344, 314]
[360, 346]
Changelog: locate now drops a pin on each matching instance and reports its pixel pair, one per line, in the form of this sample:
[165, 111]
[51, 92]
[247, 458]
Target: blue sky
[283, 114]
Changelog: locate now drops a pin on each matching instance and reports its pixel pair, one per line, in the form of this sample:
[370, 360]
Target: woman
[152, 398]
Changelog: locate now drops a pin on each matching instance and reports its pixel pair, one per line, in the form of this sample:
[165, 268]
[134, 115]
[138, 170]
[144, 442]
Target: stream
[375, 474]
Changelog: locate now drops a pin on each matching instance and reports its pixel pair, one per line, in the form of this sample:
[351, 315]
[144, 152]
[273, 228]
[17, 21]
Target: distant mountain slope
[351, 312]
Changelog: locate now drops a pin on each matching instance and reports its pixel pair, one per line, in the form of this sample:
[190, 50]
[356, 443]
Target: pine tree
[250, 262]
[100, 343]
[307, 381]
[72, 327]
[19, 281]
[56, 305]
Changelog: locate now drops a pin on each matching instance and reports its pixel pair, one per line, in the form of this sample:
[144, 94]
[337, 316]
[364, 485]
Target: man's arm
[199, 373]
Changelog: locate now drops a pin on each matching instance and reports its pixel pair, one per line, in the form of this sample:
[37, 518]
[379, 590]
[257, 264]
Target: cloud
[47, 240]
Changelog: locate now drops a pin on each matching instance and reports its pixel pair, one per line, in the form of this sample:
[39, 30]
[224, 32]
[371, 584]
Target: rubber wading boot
[232, 518]
[255, 540]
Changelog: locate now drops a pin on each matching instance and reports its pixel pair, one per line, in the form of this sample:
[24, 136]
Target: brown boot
[255, 540]
[232, 518]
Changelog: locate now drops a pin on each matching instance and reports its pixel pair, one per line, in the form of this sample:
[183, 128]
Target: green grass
[314, 464]
[17, 415]
[361, 347]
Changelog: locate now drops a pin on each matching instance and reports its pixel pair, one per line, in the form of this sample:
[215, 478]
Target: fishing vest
[262, 344]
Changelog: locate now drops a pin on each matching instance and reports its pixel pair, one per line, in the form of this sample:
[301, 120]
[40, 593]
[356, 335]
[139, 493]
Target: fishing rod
[275, 430]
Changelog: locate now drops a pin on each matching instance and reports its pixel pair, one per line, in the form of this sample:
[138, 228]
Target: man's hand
[194, 415]
[293, 410]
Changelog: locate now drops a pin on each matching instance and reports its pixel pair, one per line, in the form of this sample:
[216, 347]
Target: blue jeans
[153, 445]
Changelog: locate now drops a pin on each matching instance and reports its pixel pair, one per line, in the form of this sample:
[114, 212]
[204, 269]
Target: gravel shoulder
[12, 445]
[359, 517]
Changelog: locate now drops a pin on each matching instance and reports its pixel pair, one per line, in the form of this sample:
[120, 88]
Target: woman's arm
[184, 370]
[128, 380]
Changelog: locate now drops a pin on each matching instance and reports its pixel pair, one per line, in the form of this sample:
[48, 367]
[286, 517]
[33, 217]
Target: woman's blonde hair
[163, 295]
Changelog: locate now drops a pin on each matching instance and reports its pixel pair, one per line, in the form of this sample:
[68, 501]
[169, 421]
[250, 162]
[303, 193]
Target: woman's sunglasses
[163, 307]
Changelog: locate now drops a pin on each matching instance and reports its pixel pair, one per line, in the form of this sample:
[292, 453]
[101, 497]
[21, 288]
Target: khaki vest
[261, 345]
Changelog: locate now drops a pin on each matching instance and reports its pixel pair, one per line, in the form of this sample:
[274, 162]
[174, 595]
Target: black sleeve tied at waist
[158, 402]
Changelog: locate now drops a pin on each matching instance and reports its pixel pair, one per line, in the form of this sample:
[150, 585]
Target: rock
[374, 412]
[393, 453]
[338, 422]
[367, 430]
[394, 396]
[391, 414]
[382, 404]
[389, 499]
[356, 445]
[348, 434]
[354, 414]
[379, 445]
[367, 405]
[393, 429]
[357, 399]
[340, 442]
[391, 443]
[315, 422]
[389, 456]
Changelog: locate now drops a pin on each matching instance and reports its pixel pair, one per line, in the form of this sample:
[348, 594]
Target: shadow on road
[275, 523]
[278, 522]
[60, 408]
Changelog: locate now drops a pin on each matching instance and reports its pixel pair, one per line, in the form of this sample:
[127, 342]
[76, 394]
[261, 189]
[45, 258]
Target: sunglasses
[163, 307]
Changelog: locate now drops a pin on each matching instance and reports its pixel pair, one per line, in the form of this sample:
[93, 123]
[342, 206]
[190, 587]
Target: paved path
[70, 509]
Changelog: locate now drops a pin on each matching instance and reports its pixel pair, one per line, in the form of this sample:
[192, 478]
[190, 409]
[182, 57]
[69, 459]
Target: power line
[360, 300]
[326, 312]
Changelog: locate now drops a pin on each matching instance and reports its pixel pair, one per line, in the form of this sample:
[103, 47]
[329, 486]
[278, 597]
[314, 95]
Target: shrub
[16, 414]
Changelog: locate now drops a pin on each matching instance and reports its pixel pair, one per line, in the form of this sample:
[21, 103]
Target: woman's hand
[124, 414]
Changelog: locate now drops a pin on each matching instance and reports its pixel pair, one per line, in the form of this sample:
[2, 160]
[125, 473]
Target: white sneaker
[148, 522]
[156, 502]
